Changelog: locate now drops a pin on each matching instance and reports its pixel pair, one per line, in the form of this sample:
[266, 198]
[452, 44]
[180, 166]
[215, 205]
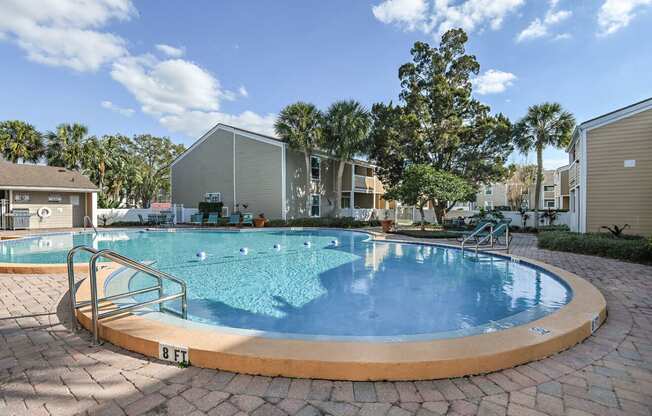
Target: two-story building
[610, 172]
[239, 167]
[497, 194]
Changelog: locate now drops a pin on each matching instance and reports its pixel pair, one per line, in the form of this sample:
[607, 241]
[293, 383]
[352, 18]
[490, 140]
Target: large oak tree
[438, 121]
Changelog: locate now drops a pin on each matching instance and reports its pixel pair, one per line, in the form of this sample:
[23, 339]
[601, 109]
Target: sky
[176, 68]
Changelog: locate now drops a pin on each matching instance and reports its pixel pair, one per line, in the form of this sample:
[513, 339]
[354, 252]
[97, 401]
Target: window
[315, 168]
[549, 203]
[548, 188]
[488, 190]
[21, 197]
[54, 198]
[346, 201]
[213, 197]
[74, 200]
[315, 209]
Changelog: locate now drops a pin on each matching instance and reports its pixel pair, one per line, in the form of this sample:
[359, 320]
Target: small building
[610, 172]
[562, 192]
[496, 194]
[35, 196]
[260, 174]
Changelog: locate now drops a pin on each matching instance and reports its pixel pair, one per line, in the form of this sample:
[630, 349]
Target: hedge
[631, 248]
[428, 233]
[343, 222]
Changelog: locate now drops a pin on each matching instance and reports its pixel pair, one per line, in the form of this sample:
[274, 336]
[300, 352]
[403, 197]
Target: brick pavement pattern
[47, 370]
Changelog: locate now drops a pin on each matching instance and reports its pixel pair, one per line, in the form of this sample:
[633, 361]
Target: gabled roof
[252, 135]
[18, 176]
[611, 117]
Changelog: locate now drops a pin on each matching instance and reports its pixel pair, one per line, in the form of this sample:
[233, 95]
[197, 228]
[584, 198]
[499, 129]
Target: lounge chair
[234, 219]
[197, 219]
[141, 220]
[248, 219]
[213, 218]
[465, 234]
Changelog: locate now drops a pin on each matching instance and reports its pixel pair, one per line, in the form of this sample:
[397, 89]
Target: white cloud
[243, 91]
[437, 16]
[196, 123]
[127, 112]
[539, 28]
[168, 86]
[409, 13]
[65, 32]
[616, 14]
[171, 51]
[493, 82]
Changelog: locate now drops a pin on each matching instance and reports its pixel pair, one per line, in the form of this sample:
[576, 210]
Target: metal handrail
[476, 232]
[127, 262]
[90, 220]
[71, 281]
[494, 233]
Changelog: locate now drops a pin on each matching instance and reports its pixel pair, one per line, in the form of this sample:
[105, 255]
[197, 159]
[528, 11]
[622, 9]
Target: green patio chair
[234, 219]
[213, 218]
[197, 219]
[248, 219]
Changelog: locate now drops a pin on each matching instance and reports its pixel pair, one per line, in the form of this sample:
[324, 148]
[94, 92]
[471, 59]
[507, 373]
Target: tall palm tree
[300, 125]
[66, 146]
[546, 124]
[20, 141]
[346, 133]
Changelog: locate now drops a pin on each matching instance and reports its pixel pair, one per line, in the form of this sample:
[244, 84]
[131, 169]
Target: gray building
[240, 167]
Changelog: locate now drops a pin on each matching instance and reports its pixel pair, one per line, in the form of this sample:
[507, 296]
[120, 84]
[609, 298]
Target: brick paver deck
[44, 369]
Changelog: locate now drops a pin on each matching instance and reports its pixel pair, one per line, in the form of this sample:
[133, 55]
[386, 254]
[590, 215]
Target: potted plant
[260, 221]
[387, 223]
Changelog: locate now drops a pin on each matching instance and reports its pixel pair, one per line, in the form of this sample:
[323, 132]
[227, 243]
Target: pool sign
[173, 353]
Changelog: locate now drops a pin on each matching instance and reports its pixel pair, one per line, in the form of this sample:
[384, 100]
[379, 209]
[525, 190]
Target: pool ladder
[130, 264]
[492, 238]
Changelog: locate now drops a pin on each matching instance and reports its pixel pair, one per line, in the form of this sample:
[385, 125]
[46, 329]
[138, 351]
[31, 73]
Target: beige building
[240, 167]
[497, 194]
[562, 190]
[610, 172]
[34, 196]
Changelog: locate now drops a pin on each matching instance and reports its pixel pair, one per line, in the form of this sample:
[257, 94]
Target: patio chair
[463, 235]
[167, 220]
[248, 219]
[213, 218]
[197, 219]
[141, 220]
[234, 219]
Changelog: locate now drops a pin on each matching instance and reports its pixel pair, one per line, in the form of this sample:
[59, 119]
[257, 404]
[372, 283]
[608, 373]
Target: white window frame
[318, 178]
[548, 186]
[545, 205]
[488, 190]
[312, 205]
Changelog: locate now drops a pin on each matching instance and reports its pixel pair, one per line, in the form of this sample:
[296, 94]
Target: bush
[209, 207]
[340, 222]
[632, 248]
[554, 227]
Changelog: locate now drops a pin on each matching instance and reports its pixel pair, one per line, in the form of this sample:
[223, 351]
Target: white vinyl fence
[113, 215]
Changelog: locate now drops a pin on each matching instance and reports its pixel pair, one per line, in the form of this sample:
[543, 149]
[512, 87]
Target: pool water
[312, 287]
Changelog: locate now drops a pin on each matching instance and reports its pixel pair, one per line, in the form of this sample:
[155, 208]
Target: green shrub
[428, 233]
[633, 248]
[554, 227]
[343, 222]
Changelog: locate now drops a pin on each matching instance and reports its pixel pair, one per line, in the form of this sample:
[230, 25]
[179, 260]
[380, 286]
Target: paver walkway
[44, 369]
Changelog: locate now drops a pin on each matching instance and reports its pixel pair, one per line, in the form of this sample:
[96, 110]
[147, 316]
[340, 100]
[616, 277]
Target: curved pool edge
[363, 360]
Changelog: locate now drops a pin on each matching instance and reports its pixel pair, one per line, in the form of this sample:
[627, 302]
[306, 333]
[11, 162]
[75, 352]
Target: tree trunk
[440, 211]
[308, 192]
[423, 218]
[338, 188]
[537, 191]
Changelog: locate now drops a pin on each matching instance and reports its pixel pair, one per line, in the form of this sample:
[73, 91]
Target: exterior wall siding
[616, 194]
[206, 168]
[258, 177]
[64, 213]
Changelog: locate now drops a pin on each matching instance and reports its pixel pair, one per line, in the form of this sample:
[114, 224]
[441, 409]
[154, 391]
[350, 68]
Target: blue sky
[175, 68]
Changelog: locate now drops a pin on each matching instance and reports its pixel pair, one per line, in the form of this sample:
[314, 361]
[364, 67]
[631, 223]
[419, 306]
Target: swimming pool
[325, 283]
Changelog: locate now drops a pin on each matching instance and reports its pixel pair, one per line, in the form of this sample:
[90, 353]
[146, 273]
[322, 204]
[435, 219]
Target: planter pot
[259, 222]
[387, 225]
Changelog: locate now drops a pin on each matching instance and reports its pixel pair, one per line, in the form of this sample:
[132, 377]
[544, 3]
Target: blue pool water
[359, 287]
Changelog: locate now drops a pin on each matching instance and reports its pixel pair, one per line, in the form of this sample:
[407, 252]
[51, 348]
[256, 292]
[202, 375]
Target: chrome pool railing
[493, 237]
[128, 263]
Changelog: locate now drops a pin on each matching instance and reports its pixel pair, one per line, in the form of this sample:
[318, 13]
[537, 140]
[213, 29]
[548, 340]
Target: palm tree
[546, 124]
[66, 146]
[20, 141]
[346, 133]
[300, 125]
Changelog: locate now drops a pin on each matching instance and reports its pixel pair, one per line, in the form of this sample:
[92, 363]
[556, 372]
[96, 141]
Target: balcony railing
[573, 175]
[365, 183]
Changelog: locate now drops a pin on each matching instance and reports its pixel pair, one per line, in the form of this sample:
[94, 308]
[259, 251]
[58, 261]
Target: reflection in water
[358, 288]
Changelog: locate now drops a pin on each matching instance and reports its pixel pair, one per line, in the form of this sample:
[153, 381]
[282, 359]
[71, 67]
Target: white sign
[173, 353]
[630, 163]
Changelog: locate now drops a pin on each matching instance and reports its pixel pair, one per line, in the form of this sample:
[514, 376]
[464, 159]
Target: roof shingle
[38, 176]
